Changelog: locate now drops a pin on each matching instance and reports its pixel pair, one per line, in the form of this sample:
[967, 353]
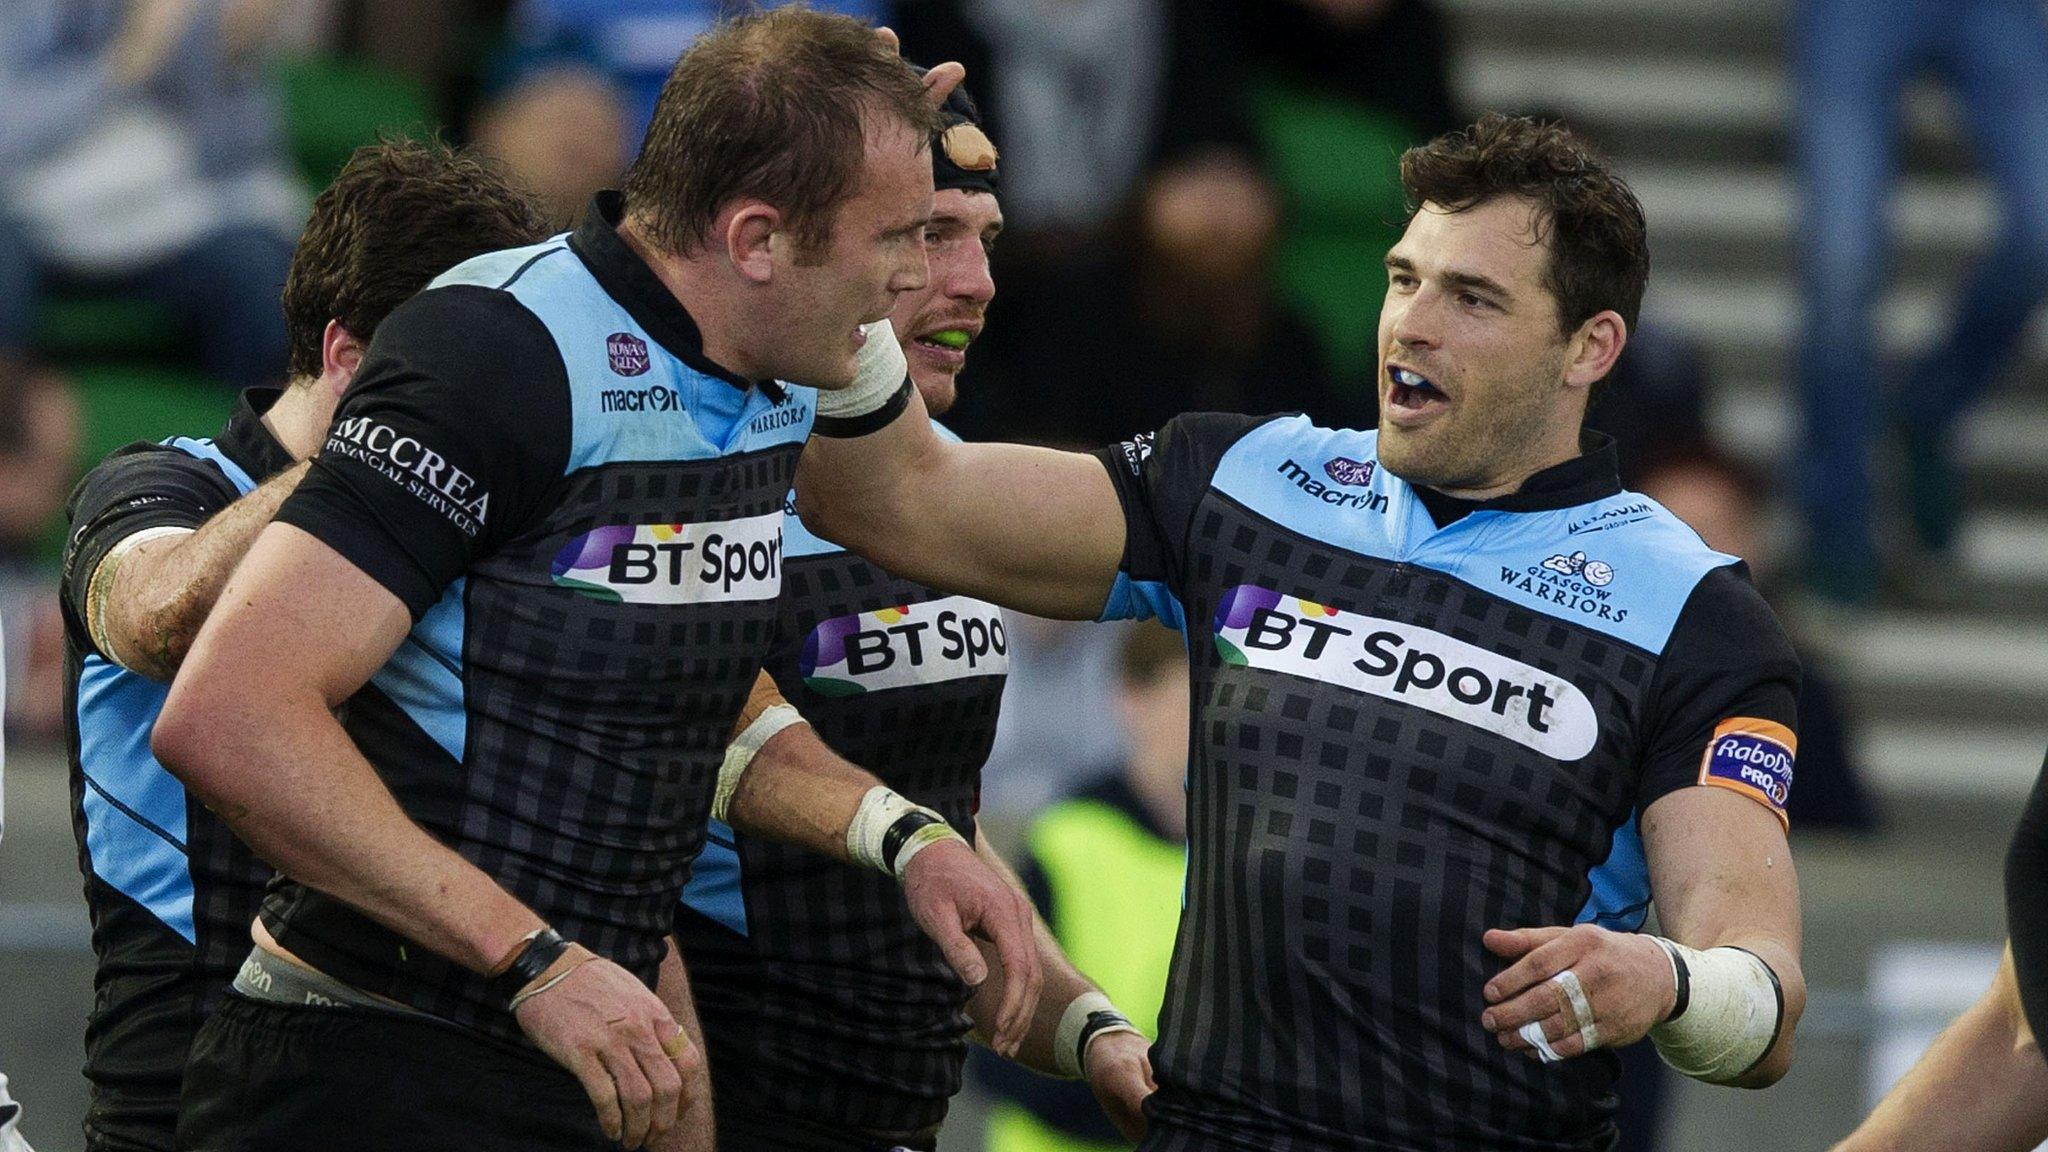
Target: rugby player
[1454, 692]
[1982, 1086]
[830, 1021]
[538, 558]
[156, 530]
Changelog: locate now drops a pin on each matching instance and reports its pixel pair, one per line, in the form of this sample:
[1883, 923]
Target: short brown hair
[772, 106]
[400, 213]
[1599, 244]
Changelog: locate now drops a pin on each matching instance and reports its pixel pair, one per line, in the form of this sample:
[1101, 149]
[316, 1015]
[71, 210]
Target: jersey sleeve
[446, 445]
[1160, 479]
[141, 488]
[1724, 708]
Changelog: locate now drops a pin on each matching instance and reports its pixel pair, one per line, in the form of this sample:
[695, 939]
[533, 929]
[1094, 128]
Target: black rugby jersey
[1406, 732]
[170, 890]
[821, 997]
[584, 516]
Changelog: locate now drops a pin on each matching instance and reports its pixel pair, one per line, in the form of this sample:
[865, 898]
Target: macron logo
[406, 461]
[1305, 480]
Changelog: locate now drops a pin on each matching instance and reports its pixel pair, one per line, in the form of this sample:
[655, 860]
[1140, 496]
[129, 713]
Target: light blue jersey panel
[424, 675]
[134, 808]
[715, 889]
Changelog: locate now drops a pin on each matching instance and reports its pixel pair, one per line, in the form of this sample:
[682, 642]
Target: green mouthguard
[952, 338]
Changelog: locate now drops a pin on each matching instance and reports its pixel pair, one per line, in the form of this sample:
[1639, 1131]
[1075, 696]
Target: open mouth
[946, 339]
[1413, 395]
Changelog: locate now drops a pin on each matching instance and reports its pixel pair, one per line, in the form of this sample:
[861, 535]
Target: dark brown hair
[1599, 245]
[400, 213]
[771, 106]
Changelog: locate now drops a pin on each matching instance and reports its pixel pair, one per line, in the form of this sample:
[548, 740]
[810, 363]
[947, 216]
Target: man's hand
[939, 81]
[619, 1039]
[1120, 1072]
[952, 893]
[1625, 980]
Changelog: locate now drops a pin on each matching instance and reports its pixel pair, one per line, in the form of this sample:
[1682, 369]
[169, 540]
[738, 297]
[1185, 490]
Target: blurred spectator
[1106, 870]
[560, 131]
[1339, 88]
[577, 82]
[1853, 61]
[144, 157]
[1053, 731]
[1115, 115]
[39, 449]
[1723, 502]
[1655, 399]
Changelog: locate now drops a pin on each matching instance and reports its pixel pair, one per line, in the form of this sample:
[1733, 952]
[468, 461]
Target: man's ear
[1594, 349]
[752, 233]
[341, 354]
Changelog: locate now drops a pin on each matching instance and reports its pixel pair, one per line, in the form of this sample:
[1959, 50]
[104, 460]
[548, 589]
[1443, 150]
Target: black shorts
[742, 1129]
[276, 1078]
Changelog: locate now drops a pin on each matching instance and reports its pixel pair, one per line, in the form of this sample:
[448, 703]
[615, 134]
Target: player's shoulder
[508, 267]
[188, 471]
[1629, 527]
[1192, 446]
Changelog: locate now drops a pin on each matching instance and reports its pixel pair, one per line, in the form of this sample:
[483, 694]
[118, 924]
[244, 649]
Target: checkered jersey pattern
[595, 732]
[835, 1006]
[1349, 852]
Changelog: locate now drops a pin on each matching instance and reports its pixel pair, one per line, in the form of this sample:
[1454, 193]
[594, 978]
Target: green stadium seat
[128, 402]
[1336, 162]
[333, 105]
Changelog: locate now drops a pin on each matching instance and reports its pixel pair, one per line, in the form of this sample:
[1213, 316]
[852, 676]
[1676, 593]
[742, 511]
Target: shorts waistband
[269, 978]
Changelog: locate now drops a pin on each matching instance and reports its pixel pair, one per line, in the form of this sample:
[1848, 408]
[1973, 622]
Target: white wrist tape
[880, 369]
[1091, 1014]
[743, 749]
[888, 830]
[1731, 1009]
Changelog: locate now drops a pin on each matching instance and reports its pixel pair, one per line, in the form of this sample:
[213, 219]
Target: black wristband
[899, 833]
[543, 950]
[1684, 997]
[847, 427]
[1098, 1020]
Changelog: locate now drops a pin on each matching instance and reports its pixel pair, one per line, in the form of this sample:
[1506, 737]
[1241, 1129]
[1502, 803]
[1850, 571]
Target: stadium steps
[1693, 99]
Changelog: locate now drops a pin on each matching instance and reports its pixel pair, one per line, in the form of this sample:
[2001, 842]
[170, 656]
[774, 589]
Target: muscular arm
[249, 727]
[1981, 1087]
[1722, 874]
[1029, 528]
[146, 603]
[798, 790]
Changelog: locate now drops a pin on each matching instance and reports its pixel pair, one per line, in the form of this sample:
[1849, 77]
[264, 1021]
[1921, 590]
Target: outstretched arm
[1029, 528]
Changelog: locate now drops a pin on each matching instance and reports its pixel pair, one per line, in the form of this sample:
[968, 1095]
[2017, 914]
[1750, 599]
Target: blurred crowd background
[1836, 379]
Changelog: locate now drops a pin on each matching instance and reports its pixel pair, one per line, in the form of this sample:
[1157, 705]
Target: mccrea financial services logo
[413, 466]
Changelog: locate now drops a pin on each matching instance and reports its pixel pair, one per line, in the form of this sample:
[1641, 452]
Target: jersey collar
[247, 441]
[1594, 474]
[626, 278]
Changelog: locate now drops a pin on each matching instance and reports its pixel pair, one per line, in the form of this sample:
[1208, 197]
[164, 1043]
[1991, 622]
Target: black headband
[963, 156]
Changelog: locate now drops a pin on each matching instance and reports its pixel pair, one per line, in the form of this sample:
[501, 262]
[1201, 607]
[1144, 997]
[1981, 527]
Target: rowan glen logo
[627, 352]
[1259, 628]
[655, 399]
[910, 644]
[1305, 480]
[714, 562]
[1344, 470]
[413, 466]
